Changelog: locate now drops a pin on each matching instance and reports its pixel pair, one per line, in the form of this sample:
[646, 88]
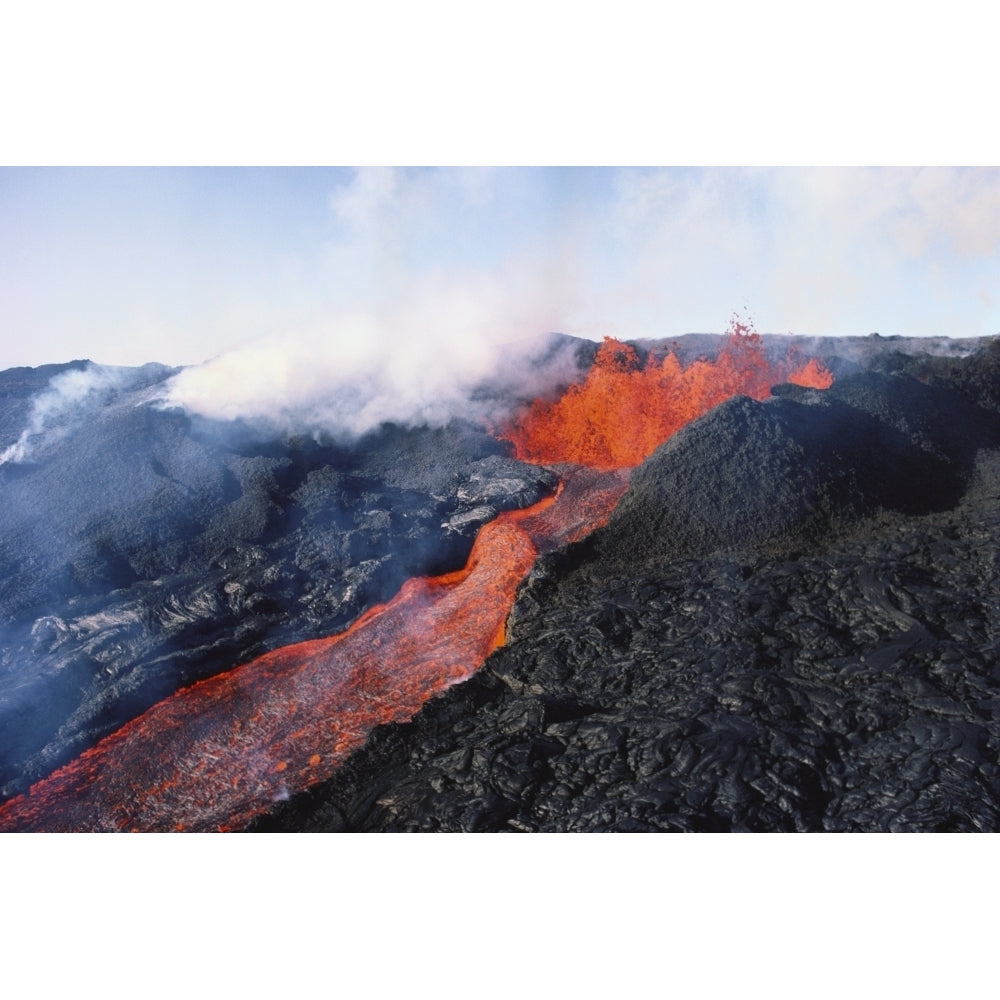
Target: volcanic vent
[624, 409]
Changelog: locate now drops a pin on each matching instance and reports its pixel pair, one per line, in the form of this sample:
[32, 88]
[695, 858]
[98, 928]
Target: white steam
[393, 307]
[69, 399]
[416, 362]
[181, 266]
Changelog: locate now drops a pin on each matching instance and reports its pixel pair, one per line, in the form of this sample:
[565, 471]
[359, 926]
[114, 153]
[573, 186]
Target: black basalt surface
[791, 622]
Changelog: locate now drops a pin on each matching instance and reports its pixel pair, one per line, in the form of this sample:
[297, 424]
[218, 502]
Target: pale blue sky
[179, 265]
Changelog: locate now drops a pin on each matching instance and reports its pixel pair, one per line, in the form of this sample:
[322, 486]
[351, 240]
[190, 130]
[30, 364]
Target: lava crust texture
[791, 622]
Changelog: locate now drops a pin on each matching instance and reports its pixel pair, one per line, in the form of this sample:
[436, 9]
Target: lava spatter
[624, 409]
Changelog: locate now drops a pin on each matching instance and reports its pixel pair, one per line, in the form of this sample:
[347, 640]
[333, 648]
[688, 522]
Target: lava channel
[215, 755]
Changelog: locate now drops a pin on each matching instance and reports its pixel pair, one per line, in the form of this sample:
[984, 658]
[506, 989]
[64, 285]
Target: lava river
[215, 755]
[220, 752]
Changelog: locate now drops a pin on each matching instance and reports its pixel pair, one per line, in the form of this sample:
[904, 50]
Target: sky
[180, 265]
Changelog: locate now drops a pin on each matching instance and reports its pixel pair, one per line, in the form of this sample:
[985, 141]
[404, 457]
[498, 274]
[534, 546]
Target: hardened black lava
[791, 622]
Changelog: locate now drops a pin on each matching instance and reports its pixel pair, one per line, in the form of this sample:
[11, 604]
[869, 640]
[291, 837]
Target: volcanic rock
[789, 623]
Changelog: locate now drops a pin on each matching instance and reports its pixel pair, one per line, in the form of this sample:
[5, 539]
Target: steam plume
[67, 401]
[416, 362]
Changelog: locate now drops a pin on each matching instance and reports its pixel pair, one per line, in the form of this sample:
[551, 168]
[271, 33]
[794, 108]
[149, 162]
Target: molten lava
[624, 410]
[216, 754]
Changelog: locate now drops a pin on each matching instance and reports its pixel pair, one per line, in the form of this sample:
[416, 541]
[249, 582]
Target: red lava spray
[624, 410]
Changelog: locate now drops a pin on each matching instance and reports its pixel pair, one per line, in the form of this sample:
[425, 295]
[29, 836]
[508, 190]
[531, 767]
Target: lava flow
[624, 410]
[216, 754]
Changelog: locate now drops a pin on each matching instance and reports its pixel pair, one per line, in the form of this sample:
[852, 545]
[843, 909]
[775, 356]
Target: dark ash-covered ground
[791, 622]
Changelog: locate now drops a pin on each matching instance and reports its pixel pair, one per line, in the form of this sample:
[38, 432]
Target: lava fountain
[215, 755]
[624, 410]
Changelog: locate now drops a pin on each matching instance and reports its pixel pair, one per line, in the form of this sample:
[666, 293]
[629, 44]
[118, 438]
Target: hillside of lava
[720, 583]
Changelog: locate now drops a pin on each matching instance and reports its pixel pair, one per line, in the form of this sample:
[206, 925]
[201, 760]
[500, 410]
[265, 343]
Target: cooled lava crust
[146, 551]
[791, 622]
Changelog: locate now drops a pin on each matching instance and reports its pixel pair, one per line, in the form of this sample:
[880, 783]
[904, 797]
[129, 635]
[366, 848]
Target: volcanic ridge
[723, 583]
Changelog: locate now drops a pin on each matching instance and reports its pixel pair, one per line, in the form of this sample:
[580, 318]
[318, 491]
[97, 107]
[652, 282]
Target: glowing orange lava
[216, 754]
[624, 410]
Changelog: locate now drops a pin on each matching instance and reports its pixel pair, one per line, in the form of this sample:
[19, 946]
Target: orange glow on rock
[624, 410]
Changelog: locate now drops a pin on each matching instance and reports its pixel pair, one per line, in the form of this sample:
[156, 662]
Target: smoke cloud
[424, 277]
[435, 272]
[431, 289]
